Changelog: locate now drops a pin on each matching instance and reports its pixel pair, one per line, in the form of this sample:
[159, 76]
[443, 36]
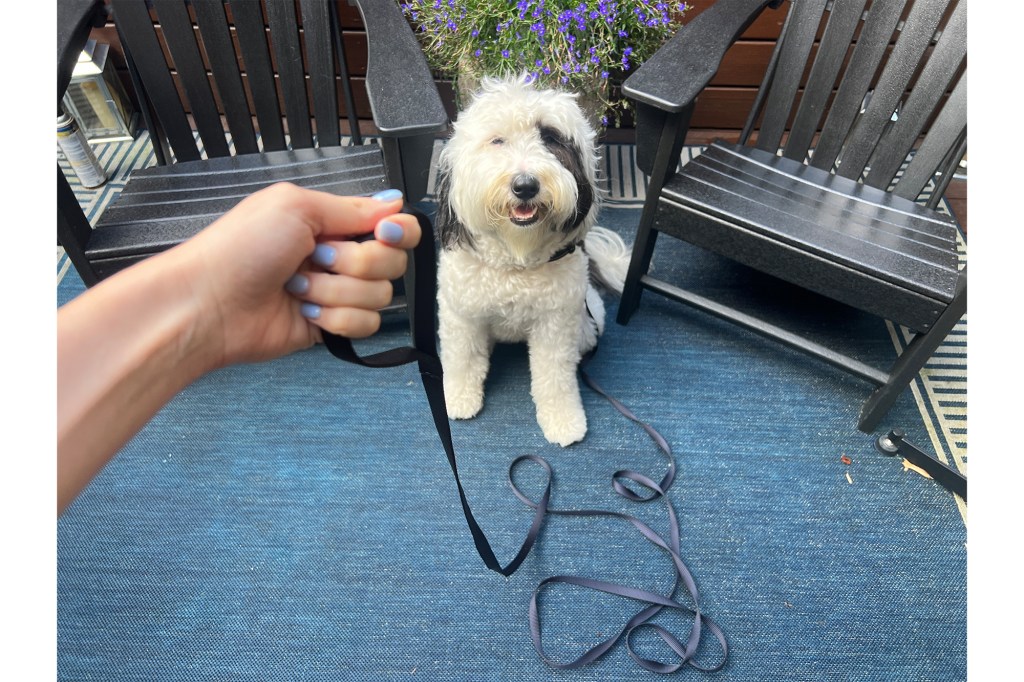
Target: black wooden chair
[816, 196]
[166, 204]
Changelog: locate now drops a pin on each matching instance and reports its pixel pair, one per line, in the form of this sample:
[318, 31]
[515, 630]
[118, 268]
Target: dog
[519, 253]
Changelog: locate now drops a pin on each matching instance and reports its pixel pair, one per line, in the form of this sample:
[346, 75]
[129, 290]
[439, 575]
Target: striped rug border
[940, 389]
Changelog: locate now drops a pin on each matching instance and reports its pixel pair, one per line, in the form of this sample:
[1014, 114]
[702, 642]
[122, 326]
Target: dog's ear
[450, 231]
[571, 158]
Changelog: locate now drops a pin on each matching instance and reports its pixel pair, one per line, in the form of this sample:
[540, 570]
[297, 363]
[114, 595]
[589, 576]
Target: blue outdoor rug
[296, 520]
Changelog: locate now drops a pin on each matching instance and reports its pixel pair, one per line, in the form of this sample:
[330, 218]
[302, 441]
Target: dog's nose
[525, 187]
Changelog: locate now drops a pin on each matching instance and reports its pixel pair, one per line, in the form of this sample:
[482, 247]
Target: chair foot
[639, 264]
[877, 406]
[913, 358]
[628, 303]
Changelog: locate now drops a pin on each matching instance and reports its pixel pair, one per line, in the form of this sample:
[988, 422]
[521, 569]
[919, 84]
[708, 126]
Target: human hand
[281, 266]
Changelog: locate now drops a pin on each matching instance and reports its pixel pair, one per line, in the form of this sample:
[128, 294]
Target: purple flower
[584, 37]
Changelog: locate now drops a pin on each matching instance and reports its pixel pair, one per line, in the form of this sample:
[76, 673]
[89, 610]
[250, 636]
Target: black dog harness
[564, 251]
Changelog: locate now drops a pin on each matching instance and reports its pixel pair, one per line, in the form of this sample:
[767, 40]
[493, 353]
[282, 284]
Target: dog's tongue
[524, 212]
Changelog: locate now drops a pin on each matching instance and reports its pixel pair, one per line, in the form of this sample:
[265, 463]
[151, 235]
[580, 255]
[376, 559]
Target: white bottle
[78, 152]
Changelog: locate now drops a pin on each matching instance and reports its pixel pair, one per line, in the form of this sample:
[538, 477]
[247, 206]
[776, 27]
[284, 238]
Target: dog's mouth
[524, 214]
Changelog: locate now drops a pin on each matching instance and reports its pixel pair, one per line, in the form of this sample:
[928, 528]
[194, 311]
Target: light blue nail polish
[324, 255]
[310, 311]
[388, 195]
[390, 232]
[298, 284]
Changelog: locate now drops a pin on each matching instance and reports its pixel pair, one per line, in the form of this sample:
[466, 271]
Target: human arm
[131, 343]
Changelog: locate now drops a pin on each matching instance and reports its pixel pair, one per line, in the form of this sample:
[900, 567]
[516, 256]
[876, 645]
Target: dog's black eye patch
[551, 137]
[569, 156]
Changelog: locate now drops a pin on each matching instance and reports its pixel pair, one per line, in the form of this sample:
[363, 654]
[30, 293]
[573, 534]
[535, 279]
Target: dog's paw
[463, 403]
[563, 427]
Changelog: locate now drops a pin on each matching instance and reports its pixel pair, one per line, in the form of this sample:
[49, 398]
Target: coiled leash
[421, 288]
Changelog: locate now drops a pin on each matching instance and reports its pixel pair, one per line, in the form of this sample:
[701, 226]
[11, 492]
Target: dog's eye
[498, 140]
[550, 136]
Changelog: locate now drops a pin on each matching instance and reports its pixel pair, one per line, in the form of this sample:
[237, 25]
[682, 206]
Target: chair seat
[174, 202]
[895, 258]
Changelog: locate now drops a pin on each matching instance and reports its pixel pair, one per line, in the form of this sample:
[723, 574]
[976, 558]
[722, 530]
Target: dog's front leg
[554, 356]
[465, 358]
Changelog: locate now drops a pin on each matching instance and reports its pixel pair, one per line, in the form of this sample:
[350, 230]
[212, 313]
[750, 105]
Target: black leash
[421, 281]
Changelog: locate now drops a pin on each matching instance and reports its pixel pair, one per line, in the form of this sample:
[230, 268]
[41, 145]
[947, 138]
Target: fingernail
[324, 255]
[310, 311]
[298, 284]
[387, 195]
[390, 232]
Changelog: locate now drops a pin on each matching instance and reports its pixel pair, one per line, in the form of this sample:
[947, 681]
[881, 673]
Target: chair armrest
[403, 96]
[75, 19]
[682, 67]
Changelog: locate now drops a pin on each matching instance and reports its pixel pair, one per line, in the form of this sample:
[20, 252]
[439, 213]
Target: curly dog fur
[519, 250]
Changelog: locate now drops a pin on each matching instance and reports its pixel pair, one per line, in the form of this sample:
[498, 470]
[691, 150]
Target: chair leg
[912, 360]
[73, 230]
[670, 146]
[643, 250]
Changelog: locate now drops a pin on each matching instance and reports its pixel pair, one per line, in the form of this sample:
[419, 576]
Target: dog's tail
[609, 258]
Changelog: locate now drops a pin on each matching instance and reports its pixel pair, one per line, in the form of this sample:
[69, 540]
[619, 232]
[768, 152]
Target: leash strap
[422, 277]
[655, 602]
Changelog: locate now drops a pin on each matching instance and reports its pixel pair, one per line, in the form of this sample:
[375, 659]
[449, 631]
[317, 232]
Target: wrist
[193, 329]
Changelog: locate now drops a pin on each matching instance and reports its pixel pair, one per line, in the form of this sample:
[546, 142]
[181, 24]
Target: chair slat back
[875, 34]
[868, 89]
[181, 41]
[320, 50]
[900, 67]
[139, 37]
[216, 36]
[897, 141]
[934, 152]
[251, 31]
[203, 77]
[831, 54]
[284, 28]
[800, 34]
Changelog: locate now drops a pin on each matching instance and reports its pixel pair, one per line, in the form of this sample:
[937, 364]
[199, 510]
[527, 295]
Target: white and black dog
[517, 199]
